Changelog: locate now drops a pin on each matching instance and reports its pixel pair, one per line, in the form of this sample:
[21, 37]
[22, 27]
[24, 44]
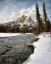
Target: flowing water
[14, 50]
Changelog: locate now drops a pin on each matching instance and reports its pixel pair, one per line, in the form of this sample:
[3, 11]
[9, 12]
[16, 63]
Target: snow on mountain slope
[42, 52]
[22, 21]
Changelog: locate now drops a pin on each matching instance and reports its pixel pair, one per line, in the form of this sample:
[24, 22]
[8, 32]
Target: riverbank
[42, 52]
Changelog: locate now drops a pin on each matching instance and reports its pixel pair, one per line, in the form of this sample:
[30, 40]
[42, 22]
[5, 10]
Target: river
[14, 49]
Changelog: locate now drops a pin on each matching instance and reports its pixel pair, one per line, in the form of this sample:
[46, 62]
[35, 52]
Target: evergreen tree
[45, 16]
[48, 25]
[38, 18]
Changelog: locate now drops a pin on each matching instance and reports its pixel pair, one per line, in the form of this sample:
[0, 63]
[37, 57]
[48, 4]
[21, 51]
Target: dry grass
[36, 31]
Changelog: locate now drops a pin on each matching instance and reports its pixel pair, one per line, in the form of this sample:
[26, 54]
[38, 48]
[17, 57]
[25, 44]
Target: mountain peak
[22, 18]
[21, 21]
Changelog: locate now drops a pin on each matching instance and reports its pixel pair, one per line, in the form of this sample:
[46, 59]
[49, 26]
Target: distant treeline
[14, 29]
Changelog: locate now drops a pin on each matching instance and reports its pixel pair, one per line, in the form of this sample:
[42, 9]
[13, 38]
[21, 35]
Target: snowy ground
[11, 34]
[42, 52]
[8, 34]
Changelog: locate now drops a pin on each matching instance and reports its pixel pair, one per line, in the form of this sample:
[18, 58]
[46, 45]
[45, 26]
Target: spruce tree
[38, 18]
[45, 16]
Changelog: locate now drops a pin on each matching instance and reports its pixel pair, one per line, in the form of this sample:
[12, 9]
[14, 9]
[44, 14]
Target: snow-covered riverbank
[42, 52]
[11, 34]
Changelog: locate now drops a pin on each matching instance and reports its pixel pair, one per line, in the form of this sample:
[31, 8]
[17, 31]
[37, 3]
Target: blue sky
[11, 9]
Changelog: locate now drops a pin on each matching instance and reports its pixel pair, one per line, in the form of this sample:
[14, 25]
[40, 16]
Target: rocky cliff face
[22, 21]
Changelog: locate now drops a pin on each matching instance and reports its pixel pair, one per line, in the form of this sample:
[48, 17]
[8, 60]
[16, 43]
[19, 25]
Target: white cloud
[41, 10]
[29, 11]
[49, 15]
[3, 20]
[12, 16]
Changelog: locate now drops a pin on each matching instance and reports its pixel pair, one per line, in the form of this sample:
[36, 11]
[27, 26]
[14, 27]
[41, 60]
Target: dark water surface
[14, 50]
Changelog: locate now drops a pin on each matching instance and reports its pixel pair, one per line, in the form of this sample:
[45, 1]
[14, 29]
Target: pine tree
[38, 18]
[48, 25]
[45, 16]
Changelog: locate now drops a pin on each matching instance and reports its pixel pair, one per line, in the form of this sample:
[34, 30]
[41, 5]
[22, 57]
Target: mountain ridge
[22, 21]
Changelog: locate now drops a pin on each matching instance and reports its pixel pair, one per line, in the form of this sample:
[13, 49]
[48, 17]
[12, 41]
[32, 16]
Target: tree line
[15, 29]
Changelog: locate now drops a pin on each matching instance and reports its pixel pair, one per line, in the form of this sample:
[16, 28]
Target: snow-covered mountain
[22, 21]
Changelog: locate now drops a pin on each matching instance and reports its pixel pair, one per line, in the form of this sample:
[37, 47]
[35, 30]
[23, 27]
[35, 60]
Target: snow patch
[9, 34]
[42, 52]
